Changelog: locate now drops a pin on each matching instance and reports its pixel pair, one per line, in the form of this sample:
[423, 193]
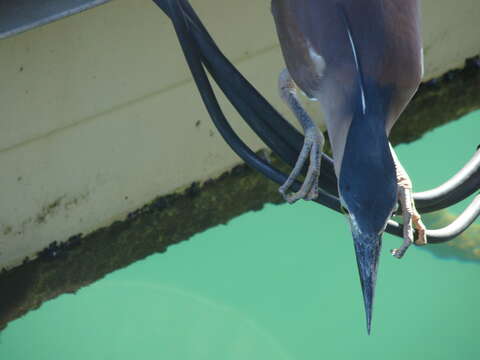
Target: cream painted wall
[98, 114]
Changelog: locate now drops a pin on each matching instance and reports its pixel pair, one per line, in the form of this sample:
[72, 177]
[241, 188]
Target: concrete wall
[98, 114]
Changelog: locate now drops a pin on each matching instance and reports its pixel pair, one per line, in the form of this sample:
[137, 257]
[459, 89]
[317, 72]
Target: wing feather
[387, 44]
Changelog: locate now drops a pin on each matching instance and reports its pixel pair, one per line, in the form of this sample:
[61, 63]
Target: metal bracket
[17, 16]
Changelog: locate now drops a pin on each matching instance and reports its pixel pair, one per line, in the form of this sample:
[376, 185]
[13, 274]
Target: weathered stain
[48, 210]
[81, 260]
[74, 201]
[7, 230]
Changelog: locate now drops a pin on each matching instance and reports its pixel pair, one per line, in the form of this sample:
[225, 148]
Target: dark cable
[208, 97]
[240, 92]
[193, 56]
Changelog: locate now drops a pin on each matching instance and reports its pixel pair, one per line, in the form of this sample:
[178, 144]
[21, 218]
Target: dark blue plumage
[362, 60]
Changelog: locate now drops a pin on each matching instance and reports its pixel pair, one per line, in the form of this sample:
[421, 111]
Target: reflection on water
[465, 247]
[280, 283]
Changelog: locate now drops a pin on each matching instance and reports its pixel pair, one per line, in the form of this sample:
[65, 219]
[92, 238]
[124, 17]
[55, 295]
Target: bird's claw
[312, 149]
[398, 253]
[312, 145]
[411, 219]
[421, 229]
[293, 197]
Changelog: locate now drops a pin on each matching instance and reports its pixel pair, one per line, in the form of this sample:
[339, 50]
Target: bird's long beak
[367, 251]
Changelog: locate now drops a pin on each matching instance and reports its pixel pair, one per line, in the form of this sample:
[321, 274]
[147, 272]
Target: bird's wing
[318, 49]
[402, 65]
[308, 36]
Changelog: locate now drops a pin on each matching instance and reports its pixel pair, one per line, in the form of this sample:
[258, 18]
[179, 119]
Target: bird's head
[368, 191]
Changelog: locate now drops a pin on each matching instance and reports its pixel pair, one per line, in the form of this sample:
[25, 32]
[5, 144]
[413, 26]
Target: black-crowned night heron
[362, 60]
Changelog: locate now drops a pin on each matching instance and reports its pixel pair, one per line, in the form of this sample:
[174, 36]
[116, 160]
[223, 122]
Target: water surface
[280, 283]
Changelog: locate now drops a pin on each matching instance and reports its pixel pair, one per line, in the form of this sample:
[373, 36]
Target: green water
[280, 283]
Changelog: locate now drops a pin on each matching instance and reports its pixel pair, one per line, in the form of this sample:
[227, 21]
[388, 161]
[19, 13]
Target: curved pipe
[449, 232]
[192, 54]
[463, 184]
[459, 225]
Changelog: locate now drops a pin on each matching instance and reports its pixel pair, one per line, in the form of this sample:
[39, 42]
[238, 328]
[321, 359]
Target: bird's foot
[312, 145]
[312, 149]
[411, 218]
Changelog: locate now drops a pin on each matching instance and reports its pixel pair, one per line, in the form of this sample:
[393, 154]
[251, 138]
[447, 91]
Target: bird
[362, 60]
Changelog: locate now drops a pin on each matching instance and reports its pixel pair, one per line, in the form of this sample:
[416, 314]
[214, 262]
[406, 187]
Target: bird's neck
[366, 144]
[367, 176]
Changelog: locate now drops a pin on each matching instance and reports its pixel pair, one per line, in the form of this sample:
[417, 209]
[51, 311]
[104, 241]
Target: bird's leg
[312, 145]
[411, 217]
